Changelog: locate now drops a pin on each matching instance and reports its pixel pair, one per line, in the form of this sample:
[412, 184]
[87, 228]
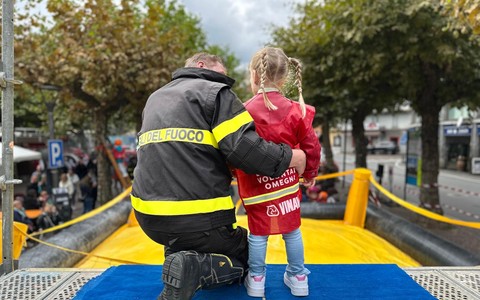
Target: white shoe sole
[296, 291]
[260, 293]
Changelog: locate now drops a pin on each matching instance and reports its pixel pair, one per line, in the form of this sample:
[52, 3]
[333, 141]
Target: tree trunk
[138, 119]
[104, 193]
[327, 146]
[358, 134]
[429, 197]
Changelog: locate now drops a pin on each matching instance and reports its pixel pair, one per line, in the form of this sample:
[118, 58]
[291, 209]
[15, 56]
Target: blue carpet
[380, 281]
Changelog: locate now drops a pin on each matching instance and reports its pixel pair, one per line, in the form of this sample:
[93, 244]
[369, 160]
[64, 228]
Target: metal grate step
[54, 284]
[449, 283]
[444, 283]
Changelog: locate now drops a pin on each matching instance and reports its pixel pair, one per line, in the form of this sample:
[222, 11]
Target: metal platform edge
[452, 283]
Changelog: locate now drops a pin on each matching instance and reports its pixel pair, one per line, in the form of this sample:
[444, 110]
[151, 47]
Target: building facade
[459, 135]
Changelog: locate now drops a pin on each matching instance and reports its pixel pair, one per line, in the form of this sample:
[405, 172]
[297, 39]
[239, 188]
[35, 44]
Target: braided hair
[273, 66]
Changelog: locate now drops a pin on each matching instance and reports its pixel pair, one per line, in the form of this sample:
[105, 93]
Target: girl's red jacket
[273, 204]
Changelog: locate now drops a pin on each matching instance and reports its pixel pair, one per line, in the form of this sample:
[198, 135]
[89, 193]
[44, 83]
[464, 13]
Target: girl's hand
[308, 182]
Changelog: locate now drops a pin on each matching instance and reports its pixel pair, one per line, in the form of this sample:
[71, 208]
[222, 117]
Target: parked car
[383, 147]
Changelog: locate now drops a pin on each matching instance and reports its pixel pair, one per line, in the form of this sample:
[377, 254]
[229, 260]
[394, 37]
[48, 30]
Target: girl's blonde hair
[273, 66]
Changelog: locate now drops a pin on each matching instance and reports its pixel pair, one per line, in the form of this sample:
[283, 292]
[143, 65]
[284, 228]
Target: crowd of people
[43, 206]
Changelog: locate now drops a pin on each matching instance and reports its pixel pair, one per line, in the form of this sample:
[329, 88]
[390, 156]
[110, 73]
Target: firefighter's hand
[298, 161]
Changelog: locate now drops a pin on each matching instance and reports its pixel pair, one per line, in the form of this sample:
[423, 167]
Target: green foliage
[466, 12]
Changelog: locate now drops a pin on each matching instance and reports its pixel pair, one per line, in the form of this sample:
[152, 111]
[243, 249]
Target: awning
[22, 154]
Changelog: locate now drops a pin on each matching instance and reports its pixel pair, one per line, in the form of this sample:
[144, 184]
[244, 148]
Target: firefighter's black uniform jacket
[192, 127]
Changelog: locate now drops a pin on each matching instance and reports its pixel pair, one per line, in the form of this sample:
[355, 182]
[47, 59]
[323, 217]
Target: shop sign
[457, 131]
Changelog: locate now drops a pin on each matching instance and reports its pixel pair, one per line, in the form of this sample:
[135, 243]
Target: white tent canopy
[22, 154]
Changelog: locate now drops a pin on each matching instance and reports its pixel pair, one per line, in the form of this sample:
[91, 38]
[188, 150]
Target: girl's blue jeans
[295, 255]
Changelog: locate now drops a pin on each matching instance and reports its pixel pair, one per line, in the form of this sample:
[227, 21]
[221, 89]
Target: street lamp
[50, 104]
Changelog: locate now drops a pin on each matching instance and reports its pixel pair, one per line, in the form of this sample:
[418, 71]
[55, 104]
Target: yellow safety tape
[422, 211]
[88, 215]
[333, 175]
[76, 251]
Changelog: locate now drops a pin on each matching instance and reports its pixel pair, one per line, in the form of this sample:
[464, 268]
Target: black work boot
[185, 272]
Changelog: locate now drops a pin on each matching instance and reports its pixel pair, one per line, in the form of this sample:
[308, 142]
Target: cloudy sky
[243, 25]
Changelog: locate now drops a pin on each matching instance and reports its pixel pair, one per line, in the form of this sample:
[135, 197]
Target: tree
[106, 56]
[466, 11]
[436, 66]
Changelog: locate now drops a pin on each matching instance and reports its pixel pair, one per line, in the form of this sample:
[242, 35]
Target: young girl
[273, 204]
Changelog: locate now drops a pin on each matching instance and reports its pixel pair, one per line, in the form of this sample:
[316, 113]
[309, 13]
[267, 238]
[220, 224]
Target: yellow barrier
[19, 232]
[356, 208]
[422, 211]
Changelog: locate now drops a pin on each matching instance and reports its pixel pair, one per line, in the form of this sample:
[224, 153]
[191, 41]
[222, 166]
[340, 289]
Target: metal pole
[406, 167]
[51, 128]
[7, 137]
[50, 104]
[344, 151]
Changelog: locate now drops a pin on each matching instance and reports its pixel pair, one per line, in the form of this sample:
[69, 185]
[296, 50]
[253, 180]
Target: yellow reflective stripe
[232, 125]
[271, 196]
[188, 135]
[177, 208]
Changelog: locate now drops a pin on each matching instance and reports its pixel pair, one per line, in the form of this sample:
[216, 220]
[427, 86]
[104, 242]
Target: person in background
[33, 185]
[193, 128]
[45, 198]
[119, 155]
[73, 177]
[280, 120]
[31, 199]
[88, 189]
[43, 183]
[313, 194]
[68, 185]
[49, 218]
[81, 169]
[20, 216]
[38, 171]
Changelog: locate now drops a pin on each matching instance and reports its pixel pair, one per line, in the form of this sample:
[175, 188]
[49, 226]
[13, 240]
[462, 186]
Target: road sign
[55, 154]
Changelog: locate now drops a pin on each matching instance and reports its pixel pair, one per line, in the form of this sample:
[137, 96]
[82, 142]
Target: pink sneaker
[298, 284]
[255, 285]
